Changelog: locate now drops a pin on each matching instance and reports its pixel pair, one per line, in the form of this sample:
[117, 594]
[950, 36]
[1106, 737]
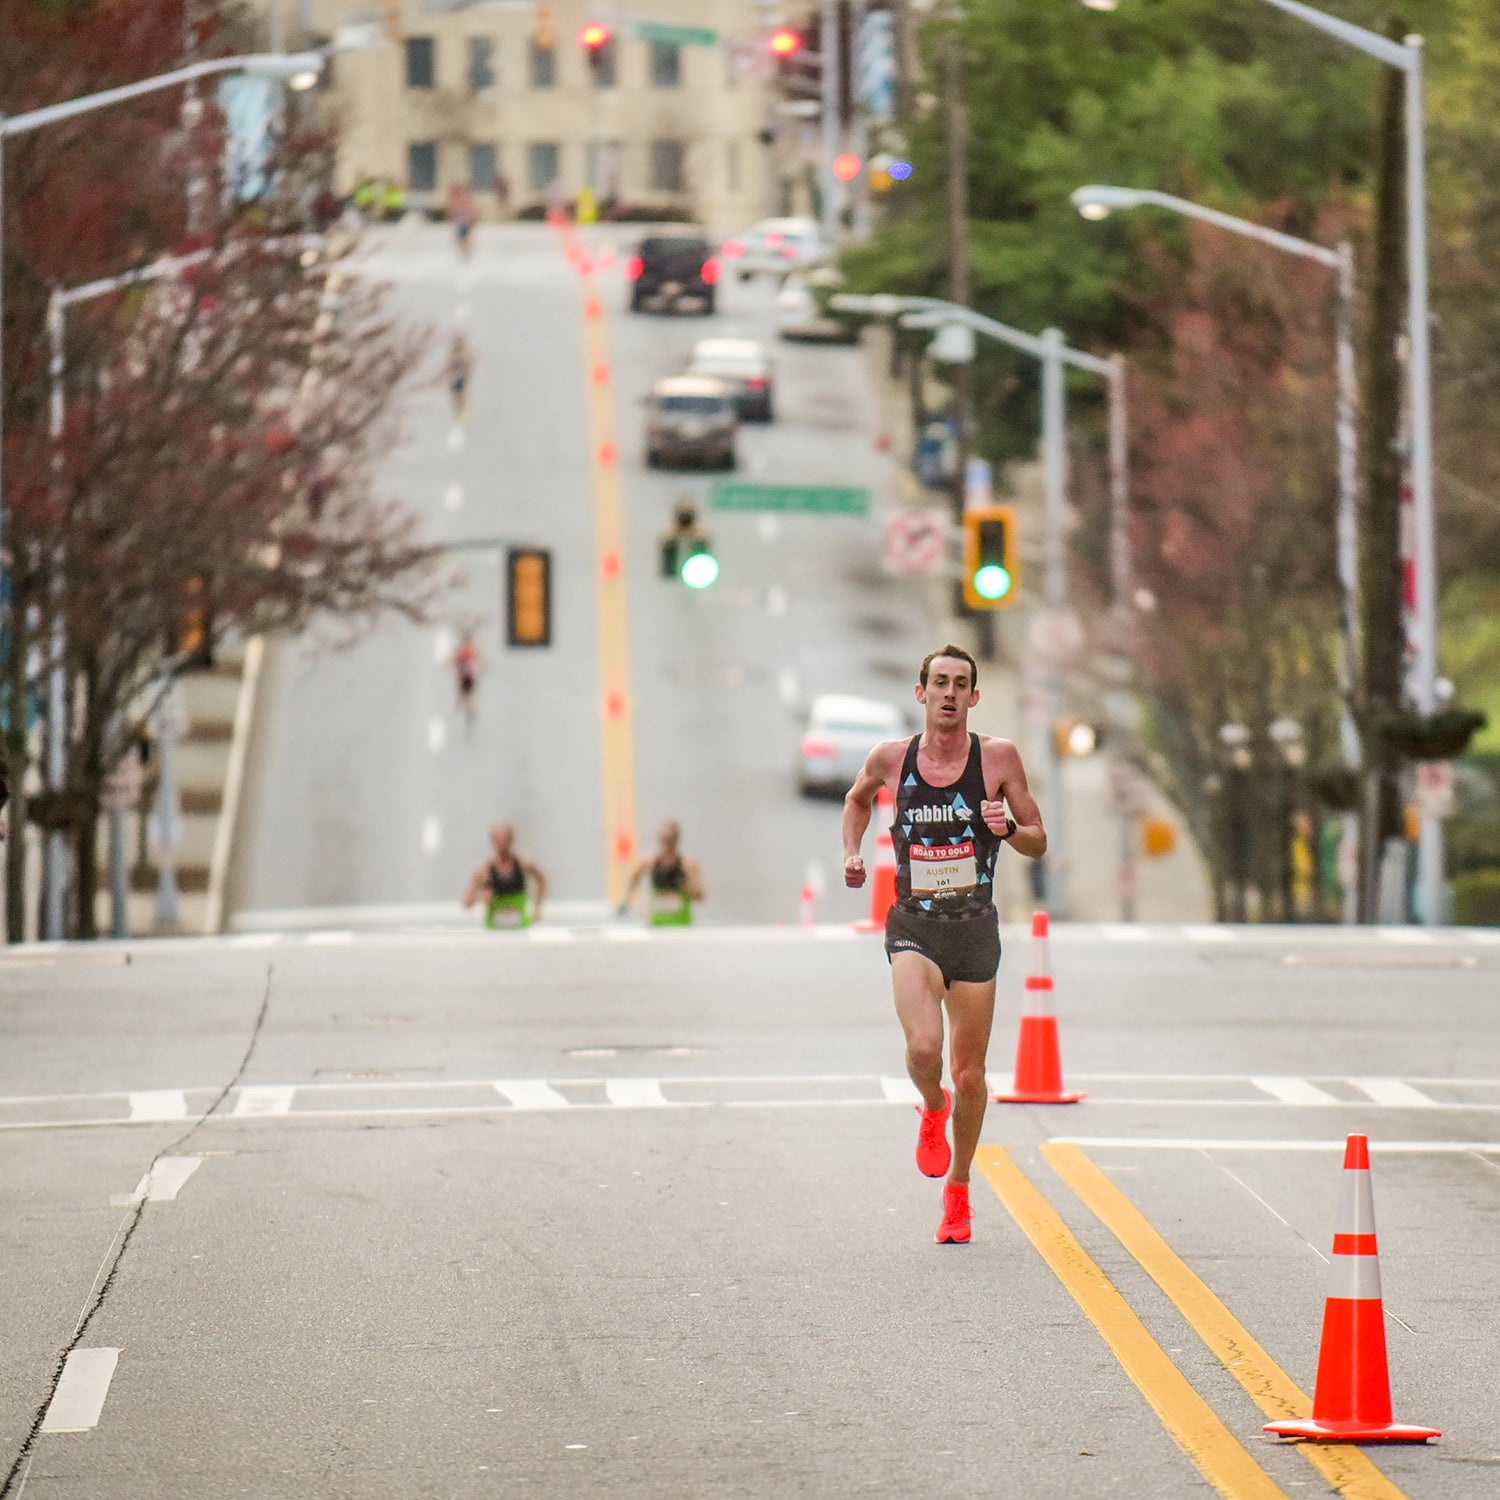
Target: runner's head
[947, 686]
[670, 835]
[502, 836]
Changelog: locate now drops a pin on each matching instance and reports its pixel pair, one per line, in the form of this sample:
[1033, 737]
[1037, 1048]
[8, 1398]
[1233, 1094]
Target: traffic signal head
[594, 36]
[991, 557]
[528, 596]
[846, 167]
[785, 42]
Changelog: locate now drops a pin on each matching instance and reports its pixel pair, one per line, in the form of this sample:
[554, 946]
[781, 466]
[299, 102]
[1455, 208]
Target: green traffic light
[991, 581]
[699, 570]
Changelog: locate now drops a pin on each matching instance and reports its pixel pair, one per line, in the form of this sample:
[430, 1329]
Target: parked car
[799, 316]
[775, 246]
[690, 421]
[743, 368]
[841, 731]
[668, 270]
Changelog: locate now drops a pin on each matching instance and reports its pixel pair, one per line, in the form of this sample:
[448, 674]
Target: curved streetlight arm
[1371, 42]
[1112, 197]
[261, 64]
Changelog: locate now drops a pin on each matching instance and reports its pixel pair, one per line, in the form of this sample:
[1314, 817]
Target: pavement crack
[14, 1483]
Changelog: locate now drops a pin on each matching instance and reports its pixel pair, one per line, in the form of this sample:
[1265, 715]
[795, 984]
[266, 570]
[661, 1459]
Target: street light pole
[828, 46]
[1054, 590]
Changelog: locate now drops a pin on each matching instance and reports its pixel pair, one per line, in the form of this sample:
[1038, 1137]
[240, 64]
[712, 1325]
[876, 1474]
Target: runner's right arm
[860, 803]
[477, 883]
[540, 881]
[630, 885]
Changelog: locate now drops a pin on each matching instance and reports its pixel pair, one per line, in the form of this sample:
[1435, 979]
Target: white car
[741, 366]
[841, 731]
[798, 316]
[774, 246]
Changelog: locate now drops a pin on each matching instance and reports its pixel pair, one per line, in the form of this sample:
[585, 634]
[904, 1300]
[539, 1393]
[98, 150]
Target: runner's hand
[993, 814]
[854, 872]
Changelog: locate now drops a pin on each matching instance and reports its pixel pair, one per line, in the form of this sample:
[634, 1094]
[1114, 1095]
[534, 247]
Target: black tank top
[668, 874]
[945, 855]
[507, 883]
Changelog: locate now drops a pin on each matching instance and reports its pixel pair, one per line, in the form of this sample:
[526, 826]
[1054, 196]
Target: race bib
[942, 871]
[664, 903]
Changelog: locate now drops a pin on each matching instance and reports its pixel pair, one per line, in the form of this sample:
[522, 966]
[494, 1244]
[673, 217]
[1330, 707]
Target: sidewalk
[1169, 888]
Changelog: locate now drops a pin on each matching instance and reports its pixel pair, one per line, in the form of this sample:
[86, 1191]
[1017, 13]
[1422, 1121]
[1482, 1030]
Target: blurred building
[505, 98]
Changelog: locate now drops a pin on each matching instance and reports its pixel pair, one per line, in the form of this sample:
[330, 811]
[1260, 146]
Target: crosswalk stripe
[260, 1099]
[1394, 1092]
[635, 1093]
[1293, 1091]
[531, 1093]
[158, 1104]
[900, 1091]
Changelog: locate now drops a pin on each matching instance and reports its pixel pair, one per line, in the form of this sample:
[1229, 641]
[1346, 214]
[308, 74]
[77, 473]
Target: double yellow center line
[1198, 1430]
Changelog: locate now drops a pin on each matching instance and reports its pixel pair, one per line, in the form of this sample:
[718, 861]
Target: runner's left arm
[1030, 838]
[693, 880]
[534, 874]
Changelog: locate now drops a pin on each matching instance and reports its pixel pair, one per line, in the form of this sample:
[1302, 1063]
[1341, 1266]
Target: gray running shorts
[965, 949]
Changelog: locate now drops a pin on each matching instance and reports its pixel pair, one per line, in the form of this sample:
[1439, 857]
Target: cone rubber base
[1352, 1432]
[1020, 1098]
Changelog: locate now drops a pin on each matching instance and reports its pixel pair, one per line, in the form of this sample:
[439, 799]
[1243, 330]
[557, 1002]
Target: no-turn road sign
[915, 541]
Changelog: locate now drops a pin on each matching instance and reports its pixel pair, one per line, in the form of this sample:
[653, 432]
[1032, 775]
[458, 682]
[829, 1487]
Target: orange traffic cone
[1038, 1061]
[1352, 1399]
[883, 876]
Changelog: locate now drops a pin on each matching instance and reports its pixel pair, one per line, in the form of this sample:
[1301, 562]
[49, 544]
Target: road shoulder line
[1345, 1468]
[1192, 1423]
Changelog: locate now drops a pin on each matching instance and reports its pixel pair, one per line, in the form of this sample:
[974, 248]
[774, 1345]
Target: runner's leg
[971, 1010]
[917, 983]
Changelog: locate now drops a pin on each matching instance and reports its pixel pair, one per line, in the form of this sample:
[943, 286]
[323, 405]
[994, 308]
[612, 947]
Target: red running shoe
[934, 1155]
[954, 1230]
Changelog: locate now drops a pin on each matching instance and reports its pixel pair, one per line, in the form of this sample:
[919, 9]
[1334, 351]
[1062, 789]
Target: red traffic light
[847, 167]
[785, 42]
[594, 35]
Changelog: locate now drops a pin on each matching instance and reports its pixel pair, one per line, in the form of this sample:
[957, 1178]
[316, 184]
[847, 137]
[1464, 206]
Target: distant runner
[942, 936]
[675, 883]
[507, 884]
[466, 671]
[460, 370]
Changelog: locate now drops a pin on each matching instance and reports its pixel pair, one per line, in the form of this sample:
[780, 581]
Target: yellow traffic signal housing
[528, 597]
[542, 32]
[992, 557]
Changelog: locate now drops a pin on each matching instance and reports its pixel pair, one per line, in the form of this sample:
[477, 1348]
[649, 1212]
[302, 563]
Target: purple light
[899, 171]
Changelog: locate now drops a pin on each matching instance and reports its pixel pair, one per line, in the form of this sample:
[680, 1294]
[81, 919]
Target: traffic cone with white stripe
[1038, 1059]
[1352, 1398]
[883, 876]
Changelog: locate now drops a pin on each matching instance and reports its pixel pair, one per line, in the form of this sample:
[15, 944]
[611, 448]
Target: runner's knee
[925, 1053]
[969, 1080]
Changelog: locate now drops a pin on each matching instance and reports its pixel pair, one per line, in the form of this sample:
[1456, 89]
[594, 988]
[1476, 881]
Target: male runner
[674, 880]
[466, 668]
[502, 881]
[942, 936]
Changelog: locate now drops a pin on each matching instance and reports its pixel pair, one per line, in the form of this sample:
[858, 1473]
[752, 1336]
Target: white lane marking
[635, 1093]
[769, 527]
[626, 935]
[78, 1401]
[1293, 1091]
[437, 733]
[786, 686]
[1199, 1143]
[1125, 932]
[257, 1100]
[455, 438]
[776, 601]
[158, 1104]
[432, 836]
[453, 496]
[1404, 935]
[256, 939]
[833, 931]
[329, 939]
[551, 934]
[900, 1091]
[1202, 933]
[530, 1093]
[442, 645]
[1394, 1093]
[162, 1182]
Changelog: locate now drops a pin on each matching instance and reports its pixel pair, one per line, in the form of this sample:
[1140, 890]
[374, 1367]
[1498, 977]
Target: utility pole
[831, 121]
[1381, 588]
[961, 375]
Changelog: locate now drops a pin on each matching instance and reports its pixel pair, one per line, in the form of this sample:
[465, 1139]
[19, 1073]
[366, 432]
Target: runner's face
[949, 694]
[501, 838]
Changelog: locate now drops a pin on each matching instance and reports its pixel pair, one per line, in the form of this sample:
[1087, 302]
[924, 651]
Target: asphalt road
[592, 1211]
[367, 800]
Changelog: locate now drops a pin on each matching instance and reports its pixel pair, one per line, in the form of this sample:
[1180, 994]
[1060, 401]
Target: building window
[666, 166]
[542, 165]
[602, 65]
[732, 166]
[543, 66]
[666, 65]
[601, 167]
[421, 166]
[421, 62]
[481, 64]
[484, 166]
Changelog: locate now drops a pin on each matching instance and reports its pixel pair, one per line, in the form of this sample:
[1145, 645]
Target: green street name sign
[674, 36]
[819, 500]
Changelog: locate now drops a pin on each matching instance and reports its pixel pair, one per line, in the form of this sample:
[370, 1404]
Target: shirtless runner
[942, 936]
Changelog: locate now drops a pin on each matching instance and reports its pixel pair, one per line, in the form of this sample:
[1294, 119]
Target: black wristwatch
[1010, 827]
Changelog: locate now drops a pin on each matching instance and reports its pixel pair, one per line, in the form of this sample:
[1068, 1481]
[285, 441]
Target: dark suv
[670, 269]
